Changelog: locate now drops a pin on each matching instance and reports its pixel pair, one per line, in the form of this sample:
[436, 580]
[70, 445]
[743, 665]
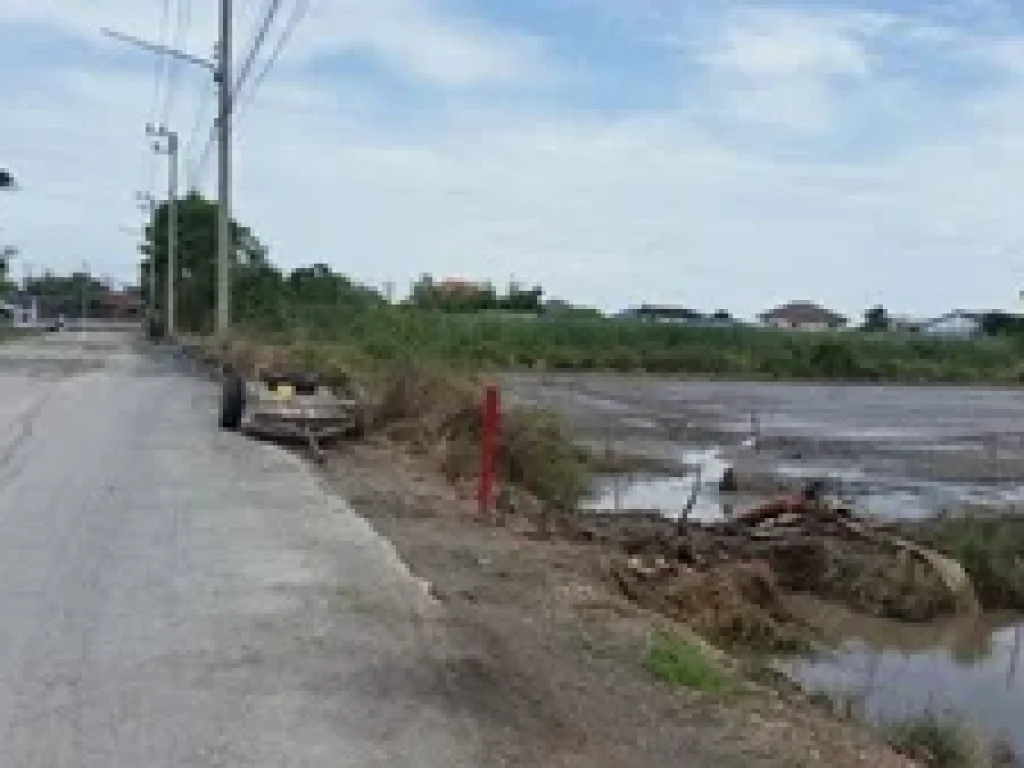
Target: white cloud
[414, 39]
[646, 206]
[771, 43]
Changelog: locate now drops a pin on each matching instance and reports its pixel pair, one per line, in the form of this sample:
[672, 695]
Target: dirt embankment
[546, 597]
[560, 633]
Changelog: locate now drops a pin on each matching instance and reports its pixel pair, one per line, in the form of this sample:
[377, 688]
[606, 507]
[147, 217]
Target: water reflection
[667, 495]
[967, 669]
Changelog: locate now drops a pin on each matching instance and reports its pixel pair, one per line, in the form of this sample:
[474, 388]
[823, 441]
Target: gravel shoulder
[564, 648]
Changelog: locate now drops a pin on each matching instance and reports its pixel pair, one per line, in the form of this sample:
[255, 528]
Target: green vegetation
[570, 343]
[678, 661]
[936, 742]
[876, 319]
[991, 550]
[474, 325]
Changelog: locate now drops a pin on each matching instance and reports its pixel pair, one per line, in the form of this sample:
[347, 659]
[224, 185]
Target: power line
[259, 38]
[183, 20]
[260, 30]
[193, 138]
[299, 12]
[160, 70]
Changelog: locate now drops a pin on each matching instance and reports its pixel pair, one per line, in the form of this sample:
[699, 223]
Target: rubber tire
[358, 429]
[232, 402]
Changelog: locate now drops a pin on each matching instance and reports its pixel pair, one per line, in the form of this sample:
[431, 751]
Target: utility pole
[224, 170]
[148, 206]
[172, 218]
[85, 300]
[221, 69]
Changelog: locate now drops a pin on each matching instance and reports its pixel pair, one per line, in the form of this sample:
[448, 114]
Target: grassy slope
[596, 344]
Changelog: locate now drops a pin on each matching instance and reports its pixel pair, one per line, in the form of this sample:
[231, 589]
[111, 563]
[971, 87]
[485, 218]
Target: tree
[7, 286]
[63, 294]
[7, 180]
[876, 319]
[251, 274]
[722, 315]
[522, 300]
[1002, 324]
[452, 295]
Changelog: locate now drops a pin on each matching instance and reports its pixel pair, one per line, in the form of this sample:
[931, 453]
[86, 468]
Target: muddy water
[899, 452]
[968, 670]
[893, 451]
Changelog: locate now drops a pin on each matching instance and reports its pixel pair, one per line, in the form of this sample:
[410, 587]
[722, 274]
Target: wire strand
[183, 20]
[259, 38]
[298, 14]
[160, 72]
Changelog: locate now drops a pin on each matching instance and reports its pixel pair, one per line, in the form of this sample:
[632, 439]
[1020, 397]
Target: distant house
[957, 324]
[22, 311]
[802, 315]
[661, 314]
[121, 305]
[457, 285]
[906, 324]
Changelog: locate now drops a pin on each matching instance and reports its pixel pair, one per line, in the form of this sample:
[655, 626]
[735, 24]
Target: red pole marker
[489, 448]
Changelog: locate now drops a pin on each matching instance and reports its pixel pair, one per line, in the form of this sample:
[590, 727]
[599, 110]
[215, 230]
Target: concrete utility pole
[221, 69]
[148, 205]
[224, 170]
[85, 298]
[171, 151]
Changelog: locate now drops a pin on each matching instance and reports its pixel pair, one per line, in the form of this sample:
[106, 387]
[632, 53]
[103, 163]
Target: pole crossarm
[163, 50]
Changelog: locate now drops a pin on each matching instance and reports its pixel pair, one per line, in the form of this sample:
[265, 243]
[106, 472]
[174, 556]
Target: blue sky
[713, 153]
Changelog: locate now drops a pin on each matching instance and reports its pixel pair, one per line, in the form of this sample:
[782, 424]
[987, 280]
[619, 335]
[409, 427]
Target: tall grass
[582, 343]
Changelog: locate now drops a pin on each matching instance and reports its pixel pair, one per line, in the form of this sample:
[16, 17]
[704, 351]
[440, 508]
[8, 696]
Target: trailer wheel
[232, 401]
[358, 429]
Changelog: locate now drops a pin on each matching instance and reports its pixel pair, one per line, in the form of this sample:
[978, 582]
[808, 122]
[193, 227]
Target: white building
[22, 311]
[955, 325]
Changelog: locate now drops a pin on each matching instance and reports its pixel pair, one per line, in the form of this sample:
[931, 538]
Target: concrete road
[171, 595]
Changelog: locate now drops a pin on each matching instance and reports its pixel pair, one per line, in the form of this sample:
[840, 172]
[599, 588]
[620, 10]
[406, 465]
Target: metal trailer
[291, 407]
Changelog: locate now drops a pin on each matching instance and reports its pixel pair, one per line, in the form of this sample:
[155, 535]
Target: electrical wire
[192, 173]
[299, 12]
[259, 38]
[260, 30]
[183, 20]
[160, 72]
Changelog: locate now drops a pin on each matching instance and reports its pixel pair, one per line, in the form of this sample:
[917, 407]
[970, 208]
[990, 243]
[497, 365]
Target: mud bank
[893, 451]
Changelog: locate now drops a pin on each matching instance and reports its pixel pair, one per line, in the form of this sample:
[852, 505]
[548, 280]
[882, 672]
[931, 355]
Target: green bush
[680, 662]
[935, 742]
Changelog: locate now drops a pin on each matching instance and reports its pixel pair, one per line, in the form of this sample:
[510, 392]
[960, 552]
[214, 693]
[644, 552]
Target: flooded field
[967, 670]
[893, 452]
[901, 452]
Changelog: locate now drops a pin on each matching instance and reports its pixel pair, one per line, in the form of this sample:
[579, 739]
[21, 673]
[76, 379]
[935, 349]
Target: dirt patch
[736, 605]
[804, 553]
[547, 611]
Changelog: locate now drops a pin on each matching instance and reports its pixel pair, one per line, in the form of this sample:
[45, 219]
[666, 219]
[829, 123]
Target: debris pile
[729, 578]
[735, 604]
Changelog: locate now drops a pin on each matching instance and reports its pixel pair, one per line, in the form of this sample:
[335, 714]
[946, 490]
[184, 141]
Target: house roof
[122, 300]
[978, 316]
[664, 311]
[802, 313]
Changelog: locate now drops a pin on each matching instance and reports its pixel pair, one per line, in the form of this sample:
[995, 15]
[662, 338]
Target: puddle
[872, 493]
[666, 495]
[969, 671]
[670, 495]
